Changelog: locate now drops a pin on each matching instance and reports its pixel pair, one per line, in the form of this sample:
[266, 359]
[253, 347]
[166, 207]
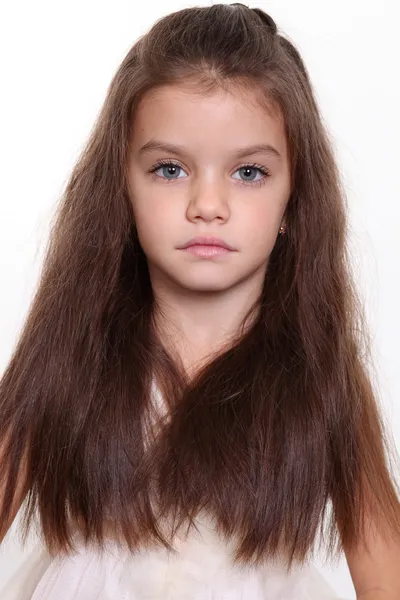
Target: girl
[189, 393]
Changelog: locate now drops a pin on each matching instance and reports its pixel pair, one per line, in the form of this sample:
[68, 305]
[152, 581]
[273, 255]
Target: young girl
[189, 393]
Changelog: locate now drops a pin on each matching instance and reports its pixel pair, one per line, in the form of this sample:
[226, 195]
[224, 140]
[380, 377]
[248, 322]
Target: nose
[208, 201]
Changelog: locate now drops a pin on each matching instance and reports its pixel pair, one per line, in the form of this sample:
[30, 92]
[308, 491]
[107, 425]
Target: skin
[201, 301]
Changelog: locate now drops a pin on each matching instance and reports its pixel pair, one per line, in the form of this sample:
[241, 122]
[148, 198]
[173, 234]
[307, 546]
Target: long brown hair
[277, 425]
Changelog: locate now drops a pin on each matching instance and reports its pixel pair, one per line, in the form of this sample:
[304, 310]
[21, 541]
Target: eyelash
[263, 170]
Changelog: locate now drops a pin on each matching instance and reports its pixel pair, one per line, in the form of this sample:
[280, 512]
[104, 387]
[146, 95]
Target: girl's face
[204, 187]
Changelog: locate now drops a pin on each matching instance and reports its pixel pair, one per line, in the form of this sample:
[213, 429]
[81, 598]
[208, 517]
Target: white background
[57, 60]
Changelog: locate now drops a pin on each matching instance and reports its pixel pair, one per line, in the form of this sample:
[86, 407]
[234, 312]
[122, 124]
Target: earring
[282, 229]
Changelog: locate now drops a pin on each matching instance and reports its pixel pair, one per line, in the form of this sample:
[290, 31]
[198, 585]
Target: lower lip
[207, 251]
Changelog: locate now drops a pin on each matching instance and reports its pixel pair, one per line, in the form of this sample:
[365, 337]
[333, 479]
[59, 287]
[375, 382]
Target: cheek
[154, 224]
[153, 208]
[259, 226]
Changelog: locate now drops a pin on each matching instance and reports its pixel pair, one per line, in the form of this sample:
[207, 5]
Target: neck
[194, 326]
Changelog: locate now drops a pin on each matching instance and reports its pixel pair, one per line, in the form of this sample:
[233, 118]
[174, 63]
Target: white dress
[201, 570]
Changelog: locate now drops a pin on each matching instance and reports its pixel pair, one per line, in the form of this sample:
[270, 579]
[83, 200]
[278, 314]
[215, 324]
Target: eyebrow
[153, 144]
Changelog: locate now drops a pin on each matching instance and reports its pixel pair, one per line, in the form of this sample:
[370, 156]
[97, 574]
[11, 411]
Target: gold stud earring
[282, 229]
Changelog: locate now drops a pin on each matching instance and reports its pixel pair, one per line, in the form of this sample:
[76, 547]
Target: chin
[207, 285]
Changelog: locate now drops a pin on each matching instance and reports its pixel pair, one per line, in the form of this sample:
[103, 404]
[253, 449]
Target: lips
[207, 241]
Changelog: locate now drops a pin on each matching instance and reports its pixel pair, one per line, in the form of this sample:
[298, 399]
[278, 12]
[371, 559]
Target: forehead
[219, 119]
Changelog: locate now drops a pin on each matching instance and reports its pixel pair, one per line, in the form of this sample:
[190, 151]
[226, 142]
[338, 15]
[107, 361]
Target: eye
[164, 164]
[255, 168]
[167, 166]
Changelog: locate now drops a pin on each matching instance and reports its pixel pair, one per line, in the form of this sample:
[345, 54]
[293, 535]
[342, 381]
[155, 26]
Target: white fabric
[201, 570]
